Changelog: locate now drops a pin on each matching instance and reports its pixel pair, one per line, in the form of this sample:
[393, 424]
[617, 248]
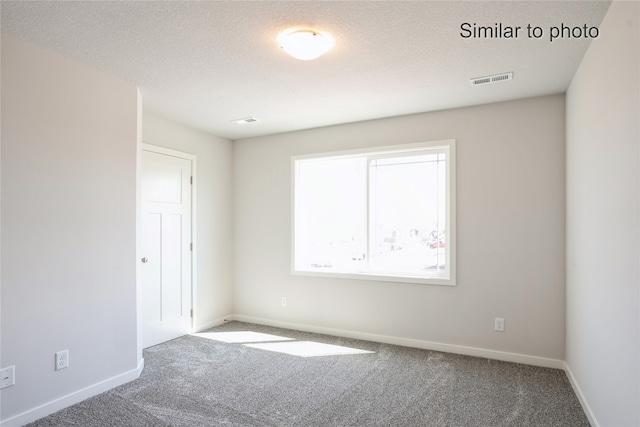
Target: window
[383, 214]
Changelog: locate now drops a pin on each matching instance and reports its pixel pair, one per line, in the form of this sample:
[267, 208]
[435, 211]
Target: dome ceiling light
[305, 44]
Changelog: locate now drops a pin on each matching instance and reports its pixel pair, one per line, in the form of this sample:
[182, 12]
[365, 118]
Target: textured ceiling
[206, 63]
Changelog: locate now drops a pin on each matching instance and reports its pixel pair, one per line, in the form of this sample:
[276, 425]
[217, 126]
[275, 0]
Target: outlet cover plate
[7, 377]
[62, 359]
[499, 324]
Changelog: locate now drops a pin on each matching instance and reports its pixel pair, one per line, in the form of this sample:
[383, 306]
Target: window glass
[383, 214]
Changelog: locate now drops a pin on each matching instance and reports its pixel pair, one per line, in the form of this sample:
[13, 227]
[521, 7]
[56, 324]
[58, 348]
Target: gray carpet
[195, 381]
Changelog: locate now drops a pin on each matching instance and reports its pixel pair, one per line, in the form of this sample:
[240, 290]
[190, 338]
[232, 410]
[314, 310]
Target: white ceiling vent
[491, 79]
[245, 120]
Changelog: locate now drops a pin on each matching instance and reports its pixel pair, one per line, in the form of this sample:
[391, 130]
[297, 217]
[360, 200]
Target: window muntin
[384, 214]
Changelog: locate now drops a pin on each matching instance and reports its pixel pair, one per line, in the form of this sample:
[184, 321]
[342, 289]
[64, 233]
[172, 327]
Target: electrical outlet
[62, 359]
[499, 325]
[7, 377]
[283, 301]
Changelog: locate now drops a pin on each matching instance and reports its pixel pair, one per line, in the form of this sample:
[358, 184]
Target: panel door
[166, 239]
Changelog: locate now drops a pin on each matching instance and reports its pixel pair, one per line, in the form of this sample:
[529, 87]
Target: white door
[166, 247]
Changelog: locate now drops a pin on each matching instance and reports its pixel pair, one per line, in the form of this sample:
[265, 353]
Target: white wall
[69, 137]
[214, 237]
[510, 233]
[603, 221]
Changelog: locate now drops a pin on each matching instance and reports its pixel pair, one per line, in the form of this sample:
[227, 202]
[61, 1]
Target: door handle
[145, 260]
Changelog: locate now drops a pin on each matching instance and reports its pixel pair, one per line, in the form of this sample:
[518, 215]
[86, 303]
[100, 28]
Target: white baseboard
[210, 324]
[409, 342]
[73, 398]
[581, 398]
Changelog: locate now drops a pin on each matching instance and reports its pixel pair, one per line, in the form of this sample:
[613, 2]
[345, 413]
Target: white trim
[409, 342]
[452, 216]
[139, 354]
[388, 149]
[376, 277]
[581, 397]
[194, 247]
[210, 324]
[168, 151]
[73, 398]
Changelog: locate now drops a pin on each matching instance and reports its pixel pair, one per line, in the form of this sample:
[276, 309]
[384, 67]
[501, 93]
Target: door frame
[192, 158]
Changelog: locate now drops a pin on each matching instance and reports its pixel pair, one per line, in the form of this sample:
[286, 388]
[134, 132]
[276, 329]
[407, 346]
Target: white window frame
[450, 237]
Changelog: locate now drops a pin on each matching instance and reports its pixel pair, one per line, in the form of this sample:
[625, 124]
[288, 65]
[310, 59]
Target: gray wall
[214, 238]
[510, 233]
[603, 221]
[69, 140]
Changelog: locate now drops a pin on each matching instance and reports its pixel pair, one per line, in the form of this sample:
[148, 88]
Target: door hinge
[191, 313]
[191, 180]
[191, 246]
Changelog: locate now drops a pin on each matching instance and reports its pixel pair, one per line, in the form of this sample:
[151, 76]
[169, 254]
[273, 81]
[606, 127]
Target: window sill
[386, 277]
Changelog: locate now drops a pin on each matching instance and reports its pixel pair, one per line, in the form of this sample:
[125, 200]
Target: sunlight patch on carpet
[240, 337]
[308, 348]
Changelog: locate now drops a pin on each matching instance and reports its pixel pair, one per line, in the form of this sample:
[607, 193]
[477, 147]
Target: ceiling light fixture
[305, 44]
